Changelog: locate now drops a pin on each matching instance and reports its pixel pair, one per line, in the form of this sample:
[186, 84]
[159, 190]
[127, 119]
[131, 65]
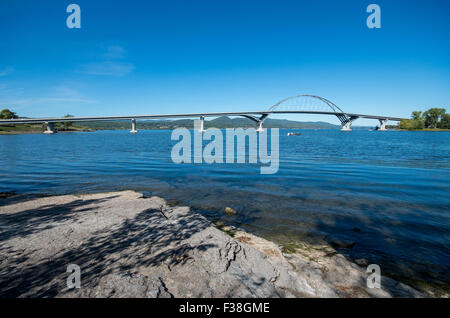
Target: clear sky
[150, 57]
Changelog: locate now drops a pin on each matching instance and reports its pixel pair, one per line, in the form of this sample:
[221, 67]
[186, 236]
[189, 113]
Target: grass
[289, 248]
[22, 128]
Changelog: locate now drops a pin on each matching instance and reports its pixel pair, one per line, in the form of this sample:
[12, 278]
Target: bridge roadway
[350, 117]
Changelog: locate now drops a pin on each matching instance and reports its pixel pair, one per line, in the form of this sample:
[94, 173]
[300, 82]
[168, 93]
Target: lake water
[387, 191]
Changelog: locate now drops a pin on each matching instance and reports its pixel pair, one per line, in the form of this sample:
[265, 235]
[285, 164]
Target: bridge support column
[382, 124]
[202, 124]
[259, 128]
[49, 129]
[346, 126]
[133, 126]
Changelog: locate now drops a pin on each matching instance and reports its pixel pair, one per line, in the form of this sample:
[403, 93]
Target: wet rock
[227, 228]
[4, 195]
[229, 211]
[362, 262]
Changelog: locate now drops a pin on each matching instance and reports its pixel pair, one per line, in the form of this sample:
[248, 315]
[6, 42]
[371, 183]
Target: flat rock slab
[130, 246]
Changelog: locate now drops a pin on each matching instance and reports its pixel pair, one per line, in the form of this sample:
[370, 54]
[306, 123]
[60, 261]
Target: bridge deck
[192, 115]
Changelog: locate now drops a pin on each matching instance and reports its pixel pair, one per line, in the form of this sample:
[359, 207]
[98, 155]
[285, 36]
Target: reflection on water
[386, 191]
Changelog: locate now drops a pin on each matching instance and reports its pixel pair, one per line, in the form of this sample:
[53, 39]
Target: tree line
[432, 118]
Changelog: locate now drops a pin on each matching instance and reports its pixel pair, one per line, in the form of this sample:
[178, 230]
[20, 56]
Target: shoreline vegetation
[37, 129]
[129, 245]
[434, 119]
[424, 129]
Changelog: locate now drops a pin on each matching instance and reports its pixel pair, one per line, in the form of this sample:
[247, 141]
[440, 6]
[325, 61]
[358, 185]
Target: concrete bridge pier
[133, 126]
[347, 126]
[382, 124]
[259, 128]
[50, 128]
[202, 124]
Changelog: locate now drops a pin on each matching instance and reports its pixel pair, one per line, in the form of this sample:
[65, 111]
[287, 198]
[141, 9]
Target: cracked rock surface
[130, 246]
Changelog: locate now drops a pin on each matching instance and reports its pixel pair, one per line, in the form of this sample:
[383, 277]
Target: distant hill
[226, 122]
[220, 122]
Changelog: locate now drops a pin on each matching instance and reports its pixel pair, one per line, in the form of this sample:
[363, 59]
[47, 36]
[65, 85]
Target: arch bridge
[298, 104]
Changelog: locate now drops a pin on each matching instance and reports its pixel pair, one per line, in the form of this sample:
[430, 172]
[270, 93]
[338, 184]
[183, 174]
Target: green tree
[7, 114]
[403, 124]
[416, 115]
[433, 116]
[445, 121]
[418, 124]
[68, 124]
[411, 124]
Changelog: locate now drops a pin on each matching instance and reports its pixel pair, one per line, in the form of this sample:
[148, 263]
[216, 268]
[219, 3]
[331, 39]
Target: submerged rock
[362, 262]
[230, 211]
[342, 243]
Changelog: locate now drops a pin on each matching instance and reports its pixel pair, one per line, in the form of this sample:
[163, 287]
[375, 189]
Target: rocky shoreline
[127, 245]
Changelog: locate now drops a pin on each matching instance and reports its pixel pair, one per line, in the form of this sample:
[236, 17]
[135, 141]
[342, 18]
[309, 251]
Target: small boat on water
[293, 134]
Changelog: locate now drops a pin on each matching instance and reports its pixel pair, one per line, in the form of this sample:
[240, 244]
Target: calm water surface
[393, 186]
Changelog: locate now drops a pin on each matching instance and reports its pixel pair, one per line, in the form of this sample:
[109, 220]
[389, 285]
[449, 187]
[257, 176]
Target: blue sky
[150, 57]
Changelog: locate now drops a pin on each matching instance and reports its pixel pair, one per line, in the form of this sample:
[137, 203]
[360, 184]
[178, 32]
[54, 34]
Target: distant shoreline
[36, 129]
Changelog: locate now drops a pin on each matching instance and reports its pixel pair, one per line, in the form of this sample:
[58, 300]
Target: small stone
[230, 211]
[362, 262]
[227, 228]
[219, 224]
